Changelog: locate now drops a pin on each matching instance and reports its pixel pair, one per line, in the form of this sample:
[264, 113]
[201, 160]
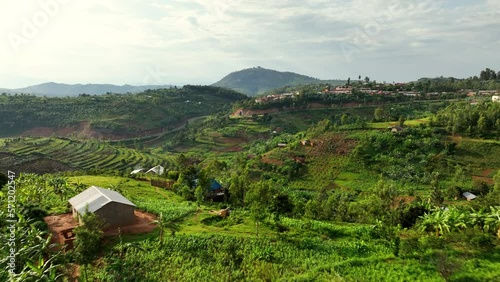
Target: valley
[318, 187]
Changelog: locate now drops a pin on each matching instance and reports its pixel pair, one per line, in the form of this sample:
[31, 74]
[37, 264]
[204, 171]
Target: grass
[384, 125]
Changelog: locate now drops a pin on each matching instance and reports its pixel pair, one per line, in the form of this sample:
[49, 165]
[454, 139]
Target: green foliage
[471, 120]
[404, 157]
[88, 238]
[118, 113]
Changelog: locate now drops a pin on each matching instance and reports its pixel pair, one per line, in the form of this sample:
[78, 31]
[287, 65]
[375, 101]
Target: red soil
[484, 179]
[142, 224]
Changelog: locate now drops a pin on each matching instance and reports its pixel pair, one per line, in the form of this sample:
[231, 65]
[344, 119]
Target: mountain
[53, 89]
[254, 81]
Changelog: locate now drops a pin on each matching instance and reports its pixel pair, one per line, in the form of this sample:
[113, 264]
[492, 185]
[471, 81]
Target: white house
[157, 169]
[137, 171]
[495, 98]
[109, 205]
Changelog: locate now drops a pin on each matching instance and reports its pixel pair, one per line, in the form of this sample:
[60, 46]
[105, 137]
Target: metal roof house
[112, 207]
[469, 196]
[136, 171]
[157, 169]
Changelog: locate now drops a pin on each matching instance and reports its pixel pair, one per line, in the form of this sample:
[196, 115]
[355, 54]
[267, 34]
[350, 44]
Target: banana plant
[40, 270]
[492, 220]
[163, 224]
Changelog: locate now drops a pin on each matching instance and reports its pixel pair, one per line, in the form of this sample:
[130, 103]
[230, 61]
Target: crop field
[84, 155]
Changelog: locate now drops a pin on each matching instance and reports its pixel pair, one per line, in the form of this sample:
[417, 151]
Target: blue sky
[200, 41]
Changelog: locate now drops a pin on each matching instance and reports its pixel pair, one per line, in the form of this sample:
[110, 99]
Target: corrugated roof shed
[137, 171]
[469, 196]
[96, 197]
[215, 185]
[157, 169]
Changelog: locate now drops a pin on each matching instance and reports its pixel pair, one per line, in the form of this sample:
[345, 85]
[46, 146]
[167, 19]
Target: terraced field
[84, 155]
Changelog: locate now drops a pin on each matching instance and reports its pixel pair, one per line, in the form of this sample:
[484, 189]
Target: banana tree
[59, 186]
[437, 220]
[478, 219]
[492, 220]
[456, 219]
[163, 224]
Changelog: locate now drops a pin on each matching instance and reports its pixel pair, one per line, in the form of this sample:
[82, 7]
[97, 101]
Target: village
[379, 89]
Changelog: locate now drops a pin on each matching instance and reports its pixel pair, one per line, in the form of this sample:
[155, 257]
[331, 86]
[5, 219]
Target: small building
[495, 99]
[159, 170]
[469, 196]
[282, 145]
[112, 207]
[216, 191]
[136, 171]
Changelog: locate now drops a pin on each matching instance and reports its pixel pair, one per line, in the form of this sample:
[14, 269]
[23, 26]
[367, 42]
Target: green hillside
[49, 155]
[254, 81]
[113, 114]
[344, 199]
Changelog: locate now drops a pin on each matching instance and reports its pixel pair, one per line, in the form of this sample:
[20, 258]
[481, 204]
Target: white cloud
[199, 41]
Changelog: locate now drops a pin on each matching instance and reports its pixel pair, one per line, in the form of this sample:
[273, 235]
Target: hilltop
[52, 89]
[254, 81]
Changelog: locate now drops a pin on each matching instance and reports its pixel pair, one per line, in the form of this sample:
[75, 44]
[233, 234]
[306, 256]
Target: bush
[410, 247]
[482, 240]
[173, 175]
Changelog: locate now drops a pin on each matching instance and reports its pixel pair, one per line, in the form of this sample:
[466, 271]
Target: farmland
[110, 116]
[80, 154]
[343, 198]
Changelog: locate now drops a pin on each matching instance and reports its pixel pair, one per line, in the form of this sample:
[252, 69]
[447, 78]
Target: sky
[142, 42]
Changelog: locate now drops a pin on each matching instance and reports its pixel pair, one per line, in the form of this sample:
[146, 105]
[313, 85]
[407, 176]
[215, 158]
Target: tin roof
[469, 196]
[97, 197]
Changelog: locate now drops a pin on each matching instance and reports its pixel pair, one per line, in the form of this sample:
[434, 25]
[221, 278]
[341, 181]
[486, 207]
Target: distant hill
[254, 81]
[116, 116]
[52, 89]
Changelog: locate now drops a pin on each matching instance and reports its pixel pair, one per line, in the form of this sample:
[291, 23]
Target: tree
[59, 185]
[402, 121]
[199, 194]
[259, 199]
[88, 238]
[436, 196]
[181, 161]
[349, 81]
[379, 114]
[344, 120]
[482, 126]
[367, 79]
[496, 178]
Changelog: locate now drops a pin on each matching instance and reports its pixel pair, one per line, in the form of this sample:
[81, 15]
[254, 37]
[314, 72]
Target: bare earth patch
[142, 224]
